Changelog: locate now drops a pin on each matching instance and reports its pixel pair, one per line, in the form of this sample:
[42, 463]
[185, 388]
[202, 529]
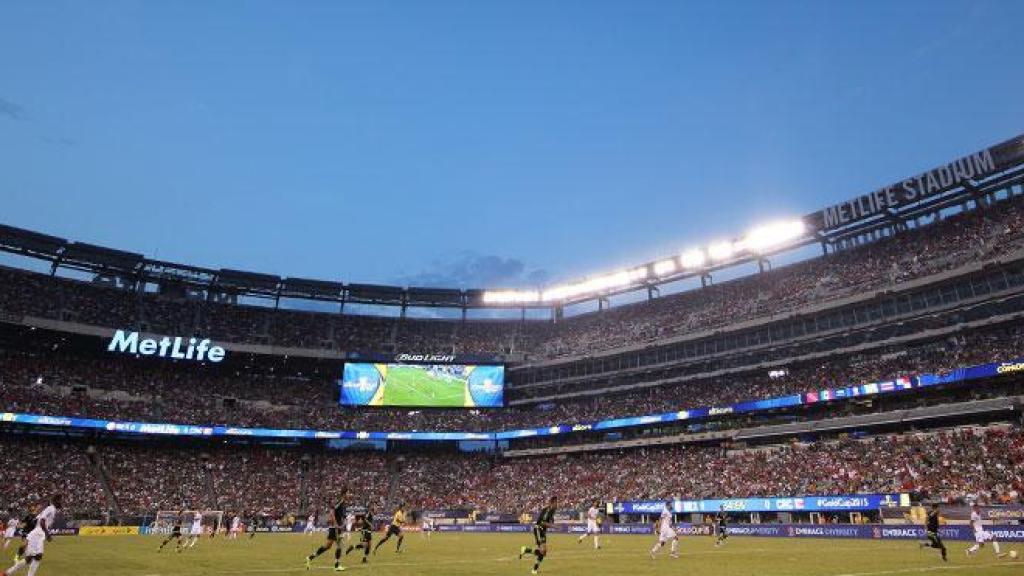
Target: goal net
[210, 520]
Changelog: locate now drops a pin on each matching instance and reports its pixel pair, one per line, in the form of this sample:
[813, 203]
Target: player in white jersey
[236, 527]
[981, 535]
[36, 538]
[11, 531]
[350, 522]
[196, 531]
[427, 527]
[666, 532]
[310, 524]
[593, 527]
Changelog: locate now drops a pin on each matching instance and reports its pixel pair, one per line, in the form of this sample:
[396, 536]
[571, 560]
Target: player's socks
[540, 558]
[995, 546]
[17, 566]
[597, 542]
[32, 568]
[398, 548]
[337, 557]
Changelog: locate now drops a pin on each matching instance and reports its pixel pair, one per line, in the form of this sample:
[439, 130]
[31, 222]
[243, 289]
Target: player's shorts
[540, 535]
[11, 532]
[394, 530]
[348, 527]
[982, 536]
[196, 529]
[367, 535]
[592, 527]
[34, 543]
[332, 533]
[176, 531]
[666, 534]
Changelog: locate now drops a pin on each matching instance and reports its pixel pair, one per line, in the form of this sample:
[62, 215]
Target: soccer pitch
[414, 386]
[475, 554]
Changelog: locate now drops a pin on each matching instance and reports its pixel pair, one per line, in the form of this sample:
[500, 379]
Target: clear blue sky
[477, 141]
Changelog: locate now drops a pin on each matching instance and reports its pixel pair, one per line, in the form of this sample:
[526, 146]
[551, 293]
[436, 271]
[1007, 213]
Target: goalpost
[165, 519]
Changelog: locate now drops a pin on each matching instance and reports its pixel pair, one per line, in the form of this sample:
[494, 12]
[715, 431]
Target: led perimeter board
[423, 385]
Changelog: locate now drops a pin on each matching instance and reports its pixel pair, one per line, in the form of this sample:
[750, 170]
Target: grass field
[414, 386]
[474, 554]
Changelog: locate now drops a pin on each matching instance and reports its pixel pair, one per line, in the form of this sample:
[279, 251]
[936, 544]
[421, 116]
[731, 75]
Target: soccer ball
[1013, 554]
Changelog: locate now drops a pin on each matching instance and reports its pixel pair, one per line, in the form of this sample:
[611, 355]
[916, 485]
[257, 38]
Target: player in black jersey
[931, 531]
[334, 533]
[28, 524]
[365, 535]
[721, 527]
[394, 529]
[540, 534]
[175, 535]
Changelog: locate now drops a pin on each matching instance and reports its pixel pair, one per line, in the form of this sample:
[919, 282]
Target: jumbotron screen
[423, 385]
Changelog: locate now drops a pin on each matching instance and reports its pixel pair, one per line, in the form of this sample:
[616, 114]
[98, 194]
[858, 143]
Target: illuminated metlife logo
[177, 348]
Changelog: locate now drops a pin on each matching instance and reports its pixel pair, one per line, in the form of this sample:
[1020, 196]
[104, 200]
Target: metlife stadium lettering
[961, 172]
[911, 189]
[198, 350]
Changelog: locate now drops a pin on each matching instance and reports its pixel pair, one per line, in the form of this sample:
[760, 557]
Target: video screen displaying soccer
[423, 385]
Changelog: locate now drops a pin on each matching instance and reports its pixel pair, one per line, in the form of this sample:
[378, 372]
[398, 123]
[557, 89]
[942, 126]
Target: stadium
[838, 392]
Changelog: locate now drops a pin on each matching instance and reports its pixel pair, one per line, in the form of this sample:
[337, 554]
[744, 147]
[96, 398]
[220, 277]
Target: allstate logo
[876, 533]
[791, 531]
[487, 385]
[360, 383]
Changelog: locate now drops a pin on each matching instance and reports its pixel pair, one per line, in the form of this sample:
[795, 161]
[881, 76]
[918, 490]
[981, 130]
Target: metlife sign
[174, 348]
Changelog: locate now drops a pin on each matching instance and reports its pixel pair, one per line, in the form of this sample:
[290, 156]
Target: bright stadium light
[693, 259]
[511, 297]
[637, 274]
[771, 235]
[596, 284]
[721, 250]
[664, 267]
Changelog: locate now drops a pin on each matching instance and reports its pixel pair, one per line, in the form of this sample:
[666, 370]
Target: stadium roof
[888, 209]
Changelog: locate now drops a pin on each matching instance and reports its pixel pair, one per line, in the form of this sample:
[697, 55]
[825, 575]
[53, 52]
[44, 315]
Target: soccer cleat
[673, 555]
[522, 550]
[533, 571]
[1001, 555]
[339, 568]
[364, 559]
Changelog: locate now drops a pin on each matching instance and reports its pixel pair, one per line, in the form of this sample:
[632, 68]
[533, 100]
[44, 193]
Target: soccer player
[394, 529]
[175, 535]
[37, 537]
[236, 527]
[593, 527]
[721, 527]
[333, 533]
[427, 527]
[196, 531]
[350, 522]
[981, 535]
[11, 531]
[366, 535]
[666, 532]
[310, 524]
[931, 531]
[540, 534]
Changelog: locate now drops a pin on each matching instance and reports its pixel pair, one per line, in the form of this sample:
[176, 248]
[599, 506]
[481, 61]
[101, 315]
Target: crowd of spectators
[64, 384]
[964, 238]
[952, 465]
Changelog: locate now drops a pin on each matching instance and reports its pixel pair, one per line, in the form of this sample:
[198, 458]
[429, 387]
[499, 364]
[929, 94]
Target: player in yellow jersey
[394, 529]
